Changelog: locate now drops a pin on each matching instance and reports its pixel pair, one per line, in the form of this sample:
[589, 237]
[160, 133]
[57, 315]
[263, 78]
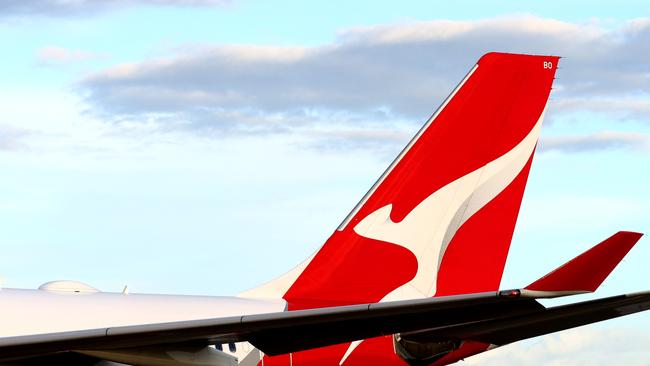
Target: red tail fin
[439, 221]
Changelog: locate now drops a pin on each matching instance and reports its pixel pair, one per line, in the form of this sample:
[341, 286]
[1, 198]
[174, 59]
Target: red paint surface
[587, 271]
[494, 110]
[487, 236]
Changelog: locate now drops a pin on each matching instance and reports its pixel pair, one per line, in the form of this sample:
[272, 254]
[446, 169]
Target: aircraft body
[410, 277]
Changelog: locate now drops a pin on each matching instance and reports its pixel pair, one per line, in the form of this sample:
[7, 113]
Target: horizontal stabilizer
[587, 271]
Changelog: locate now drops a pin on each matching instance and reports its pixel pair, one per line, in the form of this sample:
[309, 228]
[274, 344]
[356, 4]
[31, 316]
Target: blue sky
[170, 146]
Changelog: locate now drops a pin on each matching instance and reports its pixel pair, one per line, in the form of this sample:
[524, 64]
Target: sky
[206, 146]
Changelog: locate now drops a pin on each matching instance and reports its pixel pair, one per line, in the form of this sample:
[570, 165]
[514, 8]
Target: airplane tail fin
[439, 221]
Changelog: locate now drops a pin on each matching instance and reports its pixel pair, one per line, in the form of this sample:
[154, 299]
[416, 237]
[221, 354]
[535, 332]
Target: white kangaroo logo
[428, 229]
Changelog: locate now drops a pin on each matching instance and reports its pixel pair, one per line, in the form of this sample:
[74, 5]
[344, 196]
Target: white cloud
[55, 55]
[382, 75]
[77, 7]
[442, 30]
[11, 137]
[588, 346]
[617, 106]
[597, 141]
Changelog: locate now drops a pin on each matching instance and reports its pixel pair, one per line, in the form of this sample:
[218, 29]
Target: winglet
[587, 271]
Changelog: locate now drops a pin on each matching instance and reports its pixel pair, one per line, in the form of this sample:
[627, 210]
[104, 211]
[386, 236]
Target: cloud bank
[80, 7]
[55, 55]
[371, 77]
[11, 138]
[589, 346]
[598, 141]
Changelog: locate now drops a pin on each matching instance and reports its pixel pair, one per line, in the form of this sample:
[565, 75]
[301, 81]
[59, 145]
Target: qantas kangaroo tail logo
[428, 229]
[439, 221]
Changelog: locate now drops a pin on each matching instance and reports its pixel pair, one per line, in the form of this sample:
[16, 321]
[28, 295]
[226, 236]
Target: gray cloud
[387, 141]
[598, 141]
[634, 107]
[376, 74]
[75, 7]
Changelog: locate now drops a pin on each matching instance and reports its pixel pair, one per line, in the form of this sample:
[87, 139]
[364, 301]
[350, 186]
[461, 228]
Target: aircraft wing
[283, 332]
[495, 318]
[510, 329]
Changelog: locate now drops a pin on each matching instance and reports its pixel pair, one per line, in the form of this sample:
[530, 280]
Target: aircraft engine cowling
[423, 353]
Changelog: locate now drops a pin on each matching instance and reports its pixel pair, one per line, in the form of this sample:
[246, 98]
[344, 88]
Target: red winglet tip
[587, 271]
